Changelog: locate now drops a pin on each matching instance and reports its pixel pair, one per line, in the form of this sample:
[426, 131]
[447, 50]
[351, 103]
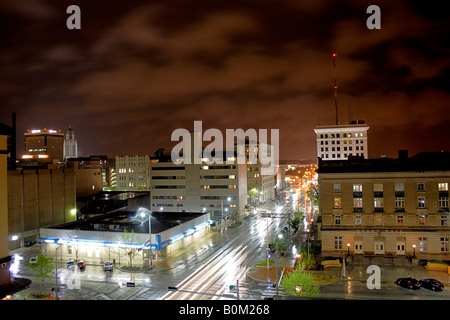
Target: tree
[313, 194]
[44, 266]
[300, 283]
[131, 252]
[253, 192]
[295, 224]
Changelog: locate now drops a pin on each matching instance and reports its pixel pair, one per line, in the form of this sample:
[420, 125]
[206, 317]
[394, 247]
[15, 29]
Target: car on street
[431, 284]
[409, 283]
[33, 260]
[108, 266]
[70, 264]
[81, 265]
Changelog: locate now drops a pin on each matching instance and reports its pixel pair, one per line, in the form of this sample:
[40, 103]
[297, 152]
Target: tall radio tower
[335, 87]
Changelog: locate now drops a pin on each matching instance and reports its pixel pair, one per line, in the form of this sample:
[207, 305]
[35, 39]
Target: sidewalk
[392, 273]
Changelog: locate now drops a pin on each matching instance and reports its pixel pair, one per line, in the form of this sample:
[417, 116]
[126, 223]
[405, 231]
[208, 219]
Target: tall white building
[338, 142]
[70, 144]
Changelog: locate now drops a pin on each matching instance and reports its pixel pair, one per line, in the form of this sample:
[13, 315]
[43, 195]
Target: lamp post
[348, 249]
[280, 236]
[414, 250]
[228, 200]
[144, 212]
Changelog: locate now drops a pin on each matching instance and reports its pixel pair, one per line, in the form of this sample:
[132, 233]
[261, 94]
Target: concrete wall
[39, 198]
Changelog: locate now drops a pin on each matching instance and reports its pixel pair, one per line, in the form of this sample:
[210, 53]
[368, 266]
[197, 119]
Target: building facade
[44, 144]
[338, 142]
[178, 187]
[386, 207]
[132, 173]
[256, 177]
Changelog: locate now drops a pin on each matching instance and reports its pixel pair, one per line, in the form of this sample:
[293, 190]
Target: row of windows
[230, 186]
[379, 246]
[344, 135]
[333, 142]
[400, 220]
[378, 203]
[338, 155]
[399, 187]
[339, 149]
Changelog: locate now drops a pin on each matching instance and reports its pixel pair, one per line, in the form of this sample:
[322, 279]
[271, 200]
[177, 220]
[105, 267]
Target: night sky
[137, 70]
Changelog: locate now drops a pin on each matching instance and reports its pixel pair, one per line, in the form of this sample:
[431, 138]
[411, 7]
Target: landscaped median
[296, 280]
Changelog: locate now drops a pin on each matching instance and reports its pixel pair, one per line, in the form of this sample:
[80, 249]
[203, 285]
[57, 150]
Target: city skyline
[136, 72]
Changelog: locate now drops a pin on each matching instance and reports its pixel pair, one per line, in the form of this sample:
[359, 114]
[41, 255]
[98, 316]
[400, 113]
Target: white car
[108, 266]
[33, 260]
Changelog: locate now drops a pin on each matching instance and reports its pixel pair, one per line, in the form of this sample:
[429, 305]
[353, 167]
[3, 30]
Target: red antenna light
[334, 54]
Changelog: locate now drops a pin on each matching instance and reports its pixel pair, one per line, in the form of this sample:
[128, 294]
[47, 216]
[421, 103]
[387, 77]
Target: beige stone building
[386, 207]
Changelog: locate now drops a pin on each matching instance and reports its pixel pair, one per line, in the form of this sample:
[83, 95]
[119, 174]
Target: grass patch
[236, 224]
[323, 278]
[264, 263]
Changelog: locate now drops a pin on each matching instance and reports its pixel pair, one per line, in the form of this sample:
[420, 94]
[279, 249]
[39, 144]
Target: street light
[279, 236]
[228, 200]
[144, 212]
[348, 249]
[414, 250]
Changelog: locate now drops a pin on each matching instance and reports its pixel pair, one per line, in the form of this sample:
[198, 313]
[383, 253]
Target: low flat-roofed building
[101, 237]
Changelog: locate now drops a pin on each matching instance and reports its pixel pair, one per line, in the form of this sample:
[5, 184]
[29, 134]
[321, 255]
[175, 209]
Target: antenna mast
[335, 87]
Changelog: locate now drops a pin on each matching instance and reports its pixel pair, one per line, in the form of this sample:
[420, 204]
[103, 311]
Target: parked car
[33, 260]
[81, 265]
[70, 264]
[431, 284]
[108, 266]
[409, 283]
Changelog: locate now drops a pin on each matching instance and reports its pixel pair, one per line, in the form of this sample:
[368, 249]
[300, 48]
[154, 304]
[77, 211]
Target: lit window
[422, 244]
[421, 202]
[337, 203]
[443, 186]
[378, 203]
[422, 220]
[357, 188]
[357, 203]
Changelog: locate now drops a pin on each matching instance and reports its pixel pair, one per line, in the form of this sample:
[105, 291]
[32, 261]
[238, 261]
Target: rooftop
[117, 221]
[424, 161]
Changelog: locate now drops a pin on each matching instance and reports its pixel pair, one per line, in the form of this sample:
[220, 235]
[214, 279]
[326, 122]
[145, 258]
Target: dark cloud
[138, 70]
